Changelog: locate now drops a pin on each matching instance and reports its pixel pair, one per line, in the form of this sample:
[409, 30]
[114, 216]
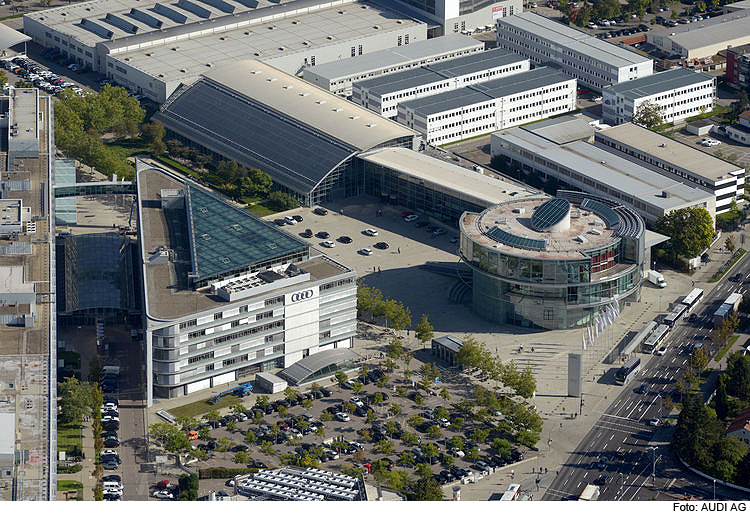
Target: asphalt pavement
[630, 457]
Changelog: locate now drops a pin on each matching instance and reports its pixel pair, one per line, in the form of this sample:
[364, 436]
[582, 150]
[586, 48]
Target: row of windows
[335, 284]
[248, 332]
[200, 357]
[189, 323]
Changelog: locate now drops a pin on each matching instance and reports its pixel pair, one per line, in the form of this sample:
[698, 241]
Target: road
[622, 434]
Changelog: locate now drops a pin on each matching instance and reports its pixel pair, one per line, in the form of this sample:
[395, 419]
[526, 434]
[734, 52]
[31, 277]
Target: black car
[111, 425]
[601, 480]
[279, 222]
[320, 211]
[113, 477]
[322, 235]
[111, 442]
[326, 392]
[381, 245]
[307, 234]
[298, 218]
[736, 278]
[239, 448]
[641, 389]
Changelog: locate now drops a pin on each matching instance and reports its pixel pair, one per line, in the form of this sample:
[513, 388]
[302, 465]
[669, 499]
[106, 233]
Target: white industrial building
[152, 48]
[551, 150]
[594, 62]
[338, 76]
[383, 94]
[681, 162]
[704, 38]
[485, 107]
[680, 93]
[468, 16]
[228, 295]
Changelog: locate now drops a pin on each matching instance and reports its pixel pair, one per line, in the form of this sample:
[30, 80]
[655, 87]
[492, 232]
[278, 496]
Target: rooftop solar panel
[613, 220]
[550, 213]
[510, 239]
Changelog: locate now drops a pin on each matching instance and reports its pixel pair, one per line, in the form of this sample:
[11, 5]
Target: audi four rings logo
[299, 296]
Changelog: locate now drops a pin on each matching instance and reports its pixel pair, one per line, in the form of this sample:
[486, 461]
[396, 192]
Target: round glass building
[552, 263]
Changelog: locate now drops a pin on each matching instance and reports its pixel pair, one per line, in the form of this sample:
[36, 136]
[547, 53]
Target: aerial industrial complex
[705, 38]
[28, 343]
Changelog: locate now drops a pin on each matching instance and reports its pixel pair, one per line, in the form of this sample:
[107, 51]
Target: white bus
[512, 493]
[654, 340]
[673, 317]
[692, 299]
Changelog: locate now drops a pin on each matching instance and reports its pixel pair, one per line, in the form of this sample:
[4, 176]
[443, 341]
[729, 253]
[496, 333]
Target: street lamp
[714, 489]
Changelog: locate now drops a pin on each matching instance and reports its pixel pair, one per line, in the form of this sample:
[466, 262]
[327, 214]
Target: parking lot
[342, 430]
[728, 149]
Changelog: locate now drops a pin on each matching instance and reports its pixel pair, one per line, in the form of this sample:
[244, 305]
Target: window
[243, 308]
[272, 301]
[279, 348]
[324, 335]
[359, 49]
[186, 324]
[354, 50]
[264, 315]
[406, 39]
[196, 334]
[200, 357]
[235, 360]
[217, 316]
[399, 40]
[312, 60]
[235, 323]
[210, 367]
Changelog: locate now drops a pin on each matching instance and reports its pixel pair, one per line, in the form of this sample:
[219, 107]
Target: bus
[512, 492]
[654, 340]
[692, 299]
[628, 371]
[674, 316]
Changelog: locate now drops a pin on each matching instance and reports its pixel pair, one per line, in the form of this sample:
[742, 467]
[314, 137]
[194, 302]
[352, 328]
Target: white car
[410, 218]
[343, 417]
[653, 422]
[356, 401]
[290, 220]
[371, 232]
[710, 142]
[328, 244]
[365, 251]
[661, 352]
[163, 495]
[108, 452]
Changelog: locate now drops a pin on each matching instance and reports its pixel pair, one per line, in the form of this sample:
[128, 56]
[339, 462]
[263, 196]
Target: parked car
[380, 245]
[328, 244]
[163, 495]
[307, 234]
[364, 251]
[343, 417]
[320, 211]
[322, 235]
[370, 232]
[326, 392]
[344, 239]
[298, 218]
[411, 218]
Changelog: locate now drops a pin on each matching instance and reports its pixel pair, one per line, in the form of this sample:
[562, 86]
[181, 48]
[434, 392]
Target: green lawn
[68, 484]
[128, 147]
[261, 210]
[178, 166]
[726, 348]
[69, 438]
[200, 408]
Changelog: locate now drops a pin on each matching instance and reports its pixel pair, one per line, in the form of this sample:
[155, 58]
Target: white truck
[656, 278]
[590, 493]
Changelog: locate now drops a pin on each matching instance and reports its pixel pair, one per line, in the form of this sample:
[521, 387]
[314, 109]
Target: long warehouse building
[507, 102]
[338, 76]
[301, 135]
[383, 94]
[594, 62]
[584, 166]
[705, 38]
[152, 48]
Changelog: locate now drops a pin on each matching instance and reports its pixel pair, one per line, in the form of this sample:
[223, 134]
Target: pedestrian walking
[399, 250]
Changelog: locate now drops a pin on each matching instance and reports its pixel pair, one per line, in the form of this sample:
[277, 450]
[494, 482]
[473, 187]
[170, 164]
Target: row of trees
[476, 355]
[370, 302]
[81, 120]
[238, 181]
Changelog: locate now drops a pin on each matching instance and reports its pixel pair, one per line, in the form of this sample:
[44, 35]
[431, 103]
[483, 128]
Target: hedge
[65, 469]
[221, 472]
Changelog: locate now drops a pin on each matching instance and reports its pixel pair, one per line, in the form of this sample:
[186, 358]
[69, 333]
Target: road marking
[684, 361]
[605, 446]
[586, 474]
[613, 436]
[564, 482]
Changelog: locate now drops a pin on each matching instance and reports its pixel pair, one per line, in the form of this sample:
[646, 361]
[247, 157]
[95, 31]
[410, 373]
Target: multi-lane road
[622, 445]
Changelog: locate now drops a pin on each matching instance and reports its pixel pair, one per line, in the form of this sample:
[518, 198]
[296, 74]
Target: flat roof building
[552, 263]
[704, 38]
[596, 63]
[228, 295]
[601, 172]
[278, 110]
[383, 94]
[153, 48]
[338, 76]
[468, 16]
[488, 106]
[681, 162]
[679, 93]
[28, 304]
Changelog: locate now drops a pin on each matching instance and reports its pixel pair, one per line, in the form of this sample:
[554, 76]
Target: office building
[152, 48]
[738, 67]
[488, 106]
[704, 38]
[681, 162]
[552, 263]
[383, 94]
[679, 93]
[467, 16]
[740, 131]
[546, 151]
[596, 63]
[301, 135]
[338, 76]
[28, 332]
[228, 295]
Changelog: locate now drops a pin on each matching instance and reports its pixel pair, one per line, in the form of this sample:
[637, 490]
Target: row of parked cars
[38, 75]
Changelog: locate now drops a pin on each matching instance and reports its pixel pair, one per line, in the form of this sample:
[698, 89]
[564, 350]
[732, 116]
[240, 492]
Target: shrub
[221, 472]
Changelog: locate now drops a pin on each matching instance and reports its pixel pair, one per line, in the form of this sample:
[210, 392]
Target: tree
[406, 459]
[479, 435]
[384, 446]
[231, 426]
[668, 404]
[251, 437]
[409, 439]
[447, 460]
[371, 416]
[99, 489]
[730, 245]
[738, 371]
[472, 454]
[242, 458]
[282, 201]
[457, 443]
[395, 410]
[527, 438]
[267, 448]
[424, 330]
[501, 446]
[224, 444]
[357, 387]
[291, 394]
[3, 78]
[212, 415]
[199, 454]
[699, 359]
[430, 450]
[75, 399]
[204, 434]
[154, 132]
[188, 484]
[426, 489]
[173, 439]
[434, 431]
[283, 411]
[445, 394]
[326, 416]
[423, 470]
[691, 230]
[649, 115]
